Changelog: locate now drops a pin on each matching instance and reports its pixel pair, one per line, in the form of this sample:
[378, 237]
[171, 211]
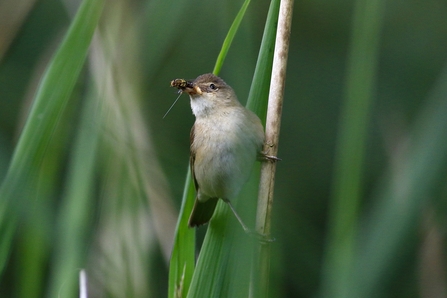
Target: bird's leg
[261, 237]
[246, 229]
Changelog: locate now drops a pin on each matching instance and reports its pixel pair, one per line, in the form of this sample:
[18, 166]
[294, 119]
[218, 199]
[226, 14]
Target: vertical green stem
[350, 152]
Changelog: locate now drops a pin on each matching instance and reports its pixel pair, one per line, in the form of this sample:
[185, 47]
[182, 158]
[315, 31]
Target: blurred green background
[139, 47]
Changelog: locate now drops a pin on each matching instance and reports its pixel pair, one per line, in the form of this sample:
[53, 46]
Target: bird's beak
[193, 90]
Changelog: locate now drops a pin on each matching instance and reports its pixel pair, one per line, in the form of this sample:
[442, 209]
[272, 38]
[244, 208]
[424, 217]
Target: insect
[181, 84]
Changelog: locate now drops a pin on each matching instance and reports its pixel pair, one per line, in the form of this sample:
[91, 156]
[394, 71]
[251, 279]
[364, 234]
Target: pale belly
[225, 164]
[223, 171]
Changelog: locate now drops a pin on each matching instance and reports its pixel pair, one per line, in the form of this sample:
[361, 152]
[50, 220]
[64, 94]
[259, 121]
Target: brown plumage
[226, 140]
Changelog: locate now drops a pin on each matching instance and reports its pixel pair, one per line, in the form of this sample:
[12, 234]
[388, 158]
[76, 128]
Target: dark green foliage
[96, 180]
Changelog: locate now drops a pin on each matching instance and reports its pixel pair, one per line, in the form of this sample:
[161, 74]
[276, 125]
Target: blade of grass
[181, 267]
[258, 102]
[403, 194]
[51, 98]
[37, 219]
[260, 86]
[229, 38]
[350, 151]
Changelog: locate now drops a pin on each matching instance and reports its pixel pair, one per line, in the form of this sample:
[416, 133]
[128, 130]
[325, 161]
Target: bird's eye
[213, 87]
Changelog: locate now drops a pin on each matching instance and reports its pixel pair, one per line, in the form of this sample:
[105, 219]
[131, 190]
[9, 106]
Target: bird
[225, 142]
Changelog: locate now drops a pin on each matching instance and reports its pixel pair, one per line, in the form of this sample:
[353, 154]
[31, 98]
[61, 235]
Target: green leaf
[229, 38]
[260, 86]
[21, 184]
[181, 267]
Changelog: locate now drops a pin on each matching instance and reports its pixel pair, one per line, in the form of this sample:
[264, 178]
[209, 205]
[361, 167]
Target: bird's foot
[264, 155]
[263, 238]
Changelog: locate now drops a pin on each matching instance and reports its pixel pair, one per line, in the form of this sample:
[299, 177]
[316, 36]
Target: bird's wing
[202, 211]
[192, 158]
